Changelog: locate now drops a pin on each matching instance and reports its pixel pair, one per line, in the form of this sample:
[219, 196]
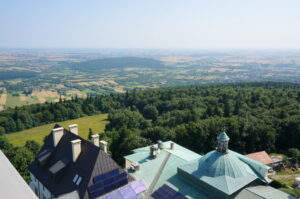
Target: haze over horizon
[194, 24]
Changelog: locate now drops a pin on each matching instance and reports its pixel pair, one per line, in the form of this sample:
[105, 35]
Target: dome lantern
[223, 140]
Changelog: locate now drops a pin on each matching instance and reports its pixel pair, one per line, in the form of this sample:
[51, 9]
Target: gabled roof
[261, 156]
[91, 162]
[12, 184]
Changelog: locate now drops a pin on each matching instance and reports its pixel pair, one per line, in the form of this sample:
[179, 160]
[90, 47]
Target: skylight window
[77, 179]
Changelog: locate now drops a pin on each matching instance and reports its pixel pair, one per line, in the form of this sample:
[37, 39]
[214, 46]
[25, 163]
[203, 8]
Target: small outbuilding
[297, 182]
[262, 157]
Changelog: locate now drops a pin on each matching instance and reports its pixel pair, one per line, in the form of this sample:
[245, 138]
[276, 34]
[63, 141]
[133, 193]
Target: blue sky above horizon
[193, 24]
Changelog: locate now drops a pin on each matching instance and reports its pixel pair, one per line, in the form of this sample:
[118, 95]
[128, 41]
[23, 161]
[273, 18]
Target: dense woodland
[256, 116]
[14, 74]
[117, 62]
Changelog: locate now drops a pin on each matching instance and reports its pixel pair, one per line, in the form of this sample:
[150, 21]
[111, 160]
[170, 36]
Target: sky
[183, 24]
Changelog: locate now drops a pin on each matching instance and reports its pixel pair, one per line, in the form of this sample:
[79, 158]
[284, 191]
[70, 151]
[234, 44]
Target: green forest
[256, 116]
[117, 62]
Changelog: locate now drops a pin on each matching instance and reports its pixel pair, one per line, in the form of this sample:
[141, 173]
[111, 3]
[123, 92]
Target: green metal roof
[179, 151]
[264, 192]
[149, 167]
[224, 172]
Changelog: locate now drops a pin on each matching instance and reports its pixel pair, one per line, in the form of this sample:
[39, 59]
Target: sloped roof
[263, 192]
[12, 184]
[91, 162]
[261, 156]
[149, 167]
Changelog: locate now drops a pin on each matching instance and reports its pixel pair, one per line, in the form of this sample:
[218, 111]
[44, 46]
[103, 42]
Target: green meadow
[96, 122]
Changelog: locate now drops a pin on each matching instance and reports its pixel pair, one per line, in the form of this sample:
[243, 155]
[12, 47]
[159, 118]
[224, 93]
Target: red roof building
[262, 157]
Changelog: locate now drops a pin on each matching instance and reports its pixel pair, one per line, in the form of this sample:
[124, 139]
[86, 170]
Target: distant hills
[118, 62]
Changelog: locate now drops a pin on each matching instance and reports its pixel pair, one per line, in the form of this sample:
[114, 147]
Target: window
[77, 179]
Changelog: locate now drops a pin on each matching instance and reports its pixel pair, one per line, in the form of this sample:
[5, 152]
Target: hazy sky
[150, 23]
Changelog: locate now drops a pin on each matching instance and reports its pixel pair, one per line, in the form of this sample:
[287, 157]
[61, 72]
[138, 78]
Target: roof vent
[73, 128]
[135, 166]
[160, 144]
[172, 145]
[153, 151]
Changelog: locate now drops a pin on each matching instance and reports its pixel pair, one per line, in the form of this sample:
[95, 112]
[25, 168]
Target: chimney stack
[103, 145]
[73, 128]
[95, 140]
[76, 149]
[57, 134]
[160, 144]
[172, 145]
[153, 151]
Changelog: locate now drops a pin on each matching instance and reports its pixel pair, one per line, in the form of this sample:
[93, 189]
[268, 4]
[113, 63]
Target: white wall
[38, 188]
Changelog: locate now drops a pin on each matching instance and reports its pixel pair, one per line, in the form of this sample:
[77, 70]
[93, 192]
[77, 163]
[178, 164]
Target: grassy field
[96, 123]
[286, 177]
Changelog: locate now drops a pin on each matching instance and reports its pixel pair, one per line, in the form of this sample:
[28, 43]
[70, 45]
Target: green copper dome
[222, 171]
[223, 137]
[215, 164]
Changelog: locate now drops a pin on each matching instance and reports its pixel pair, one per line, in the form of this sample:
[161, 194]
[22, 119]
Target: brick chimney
[73, 128]
[76, 149]
[57, 134]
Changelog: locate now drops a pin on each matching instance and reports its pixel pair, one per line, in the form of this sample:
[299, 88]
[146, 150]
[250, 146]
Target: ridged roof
[227, 172]
[215, 164]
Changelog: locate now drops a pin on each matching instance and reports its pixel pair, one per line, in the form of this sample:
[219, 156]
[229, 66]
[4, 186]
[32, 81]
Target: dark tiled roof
[59, 170]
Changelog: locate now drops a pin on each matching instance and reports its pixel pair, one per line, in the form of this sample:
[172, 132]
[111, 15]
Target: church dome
[215, 164]
[221, 169]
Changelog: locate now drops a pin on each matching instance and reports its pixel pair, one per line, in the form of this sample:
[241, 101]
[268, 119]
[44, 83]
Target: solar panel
[166, 192]
[127, 192]
[138, 187]
[106, 175]
[108, 185]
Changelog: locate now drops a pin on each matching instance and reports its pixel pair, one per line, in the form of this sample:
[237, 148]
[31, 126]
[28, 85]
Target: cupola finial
[223, 140]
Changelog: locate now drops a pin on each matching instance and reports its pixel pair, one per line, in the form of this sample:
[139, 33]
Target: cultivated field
[96, 122]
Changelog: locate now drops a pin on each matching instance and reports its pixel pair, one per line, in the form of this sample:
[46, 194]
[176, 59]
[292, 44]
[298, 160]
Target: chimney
[160, 144]
[73, 128]
[103, 145]
[57, 135]
[95, 140]
[172, 145]
[153, 152]
[76, 149]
